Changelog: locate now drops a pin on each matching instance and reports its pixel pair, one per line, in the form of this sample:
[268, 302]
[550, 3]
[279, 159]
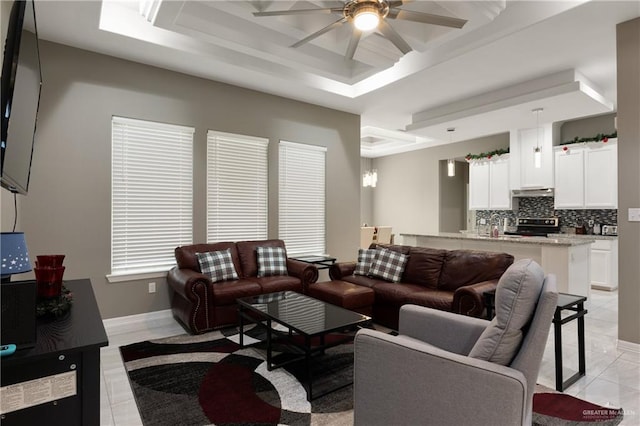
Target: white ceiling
[511, 57]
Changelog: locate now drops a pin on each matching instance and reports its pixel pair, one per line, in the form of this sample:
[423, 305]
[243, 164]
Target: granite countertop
[585, 236]
[564, 240]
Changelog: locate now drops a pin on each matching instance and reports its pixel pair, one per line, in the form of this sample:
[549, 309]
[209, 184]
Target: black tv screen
[21, 83]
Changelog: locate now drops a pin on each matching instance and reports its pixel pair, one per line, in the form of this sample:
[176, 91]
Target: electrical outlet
[634, 215]
[152, 287]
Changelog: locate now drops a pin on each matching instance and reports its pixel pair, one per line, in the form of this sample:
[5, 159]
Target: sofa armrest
[188, 283]
[307, 272]
[341, 269]
[423, 383]
[468, 299]
[445, 330]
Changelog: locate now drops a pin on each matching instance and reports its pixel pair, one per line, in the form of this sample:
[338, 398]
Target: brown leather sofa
[201, 305]
[449, 280]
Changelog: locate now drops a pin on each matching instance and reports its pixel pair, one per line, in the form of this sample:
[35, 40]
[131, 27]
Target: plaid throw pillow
[271, 261]
[365, 259]
[388, 265]
[218, 265]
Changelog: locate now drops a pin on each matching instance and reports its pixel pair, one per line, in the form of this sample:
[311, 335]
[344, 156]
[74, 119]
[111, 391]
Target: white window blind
[237, 183]
[302, 198]
[151, 194]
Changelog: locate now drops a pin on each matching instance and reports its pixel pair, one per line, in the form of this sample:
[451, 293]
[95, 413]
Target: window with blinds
[302, 198]
[237, 187]
[151, 194]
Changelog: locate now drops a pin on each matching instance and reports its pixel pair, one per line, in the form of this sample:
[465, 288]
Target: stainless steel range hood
[519, 193]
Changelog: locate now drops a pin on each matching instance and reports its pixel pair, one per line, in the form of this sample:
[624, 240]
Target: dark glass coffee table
[299, 324]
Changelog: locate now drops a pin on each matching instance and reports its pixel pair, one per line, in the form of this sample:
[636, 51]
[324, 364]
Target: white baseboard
[629, 346]
[133, 323]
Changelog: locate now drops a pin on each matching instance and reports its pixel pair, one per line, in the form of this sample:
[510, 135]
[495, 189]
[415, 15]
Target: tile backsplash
[543, 207]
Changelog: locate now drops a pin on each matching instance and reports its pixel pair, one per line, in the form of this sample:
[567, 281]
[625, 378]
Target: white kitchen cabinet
[569, 171]
[524, 174]
[499, 189]
[586, 176]
[489, 184]
[604, 264]
[601, 175]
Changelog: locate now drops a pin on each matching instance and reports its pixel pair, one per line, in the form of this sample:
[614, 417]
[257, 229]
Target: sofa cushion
[218, 265]
[424, 266]
[365, 259]
[226, 292]
[186, 255]
[394, 294]
[388, 265]
[275, 283]
[516, 298]
[271, 261]
[442, 300]
[247, 254]
[464, 267]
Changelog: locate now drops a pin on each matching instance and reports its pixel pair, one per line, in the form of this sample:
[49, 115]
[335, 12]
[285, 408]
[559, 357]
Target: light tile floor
[612, 379]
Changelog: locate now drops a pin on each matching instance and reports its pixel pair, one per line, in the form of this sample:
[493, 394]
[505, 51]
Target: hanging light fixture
[370, 178]
[451, 163]
[537, 152]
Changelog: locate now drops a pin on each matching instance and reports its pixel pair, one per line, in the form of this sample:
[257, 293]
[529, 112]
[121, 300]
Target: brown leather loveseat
[202, 305]
[449, 280]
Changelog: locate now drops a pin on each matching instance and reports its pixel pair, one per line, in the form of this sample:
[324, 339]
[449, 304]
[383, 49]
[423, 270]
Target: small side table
[321, 262]
[566, 302]
[575, 303]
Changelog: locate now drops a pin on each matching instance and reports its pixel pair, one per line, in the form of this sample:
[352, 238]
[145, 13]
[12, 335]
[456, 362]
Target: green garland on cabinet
[597, 138]
[486, 155]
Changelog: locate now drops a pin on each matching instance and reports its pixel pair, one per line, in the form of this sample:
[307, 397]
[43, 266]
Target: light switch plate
[634, 215]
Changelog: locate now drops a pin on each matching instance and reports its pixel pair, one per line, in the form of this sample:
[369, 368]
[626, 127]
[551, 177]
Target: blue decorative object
[15, 257]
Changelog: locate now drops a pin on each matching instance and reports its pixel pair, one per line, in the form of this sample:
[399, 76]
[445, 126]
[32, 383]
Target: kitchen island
[568, 258]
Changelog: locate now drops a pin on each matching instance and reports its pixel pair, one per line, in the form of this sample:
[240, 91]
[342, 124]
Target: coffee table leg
[241, 340]
[581, 356]
[307, 344]
[269, 365]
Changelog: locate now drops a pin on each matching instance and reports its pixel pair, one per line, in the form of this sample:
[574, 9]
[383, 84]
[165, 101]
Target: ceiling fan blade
[394, 37]
[353, 43]
[397, 3]
[298, 12]
[320, 32]
[426, 18]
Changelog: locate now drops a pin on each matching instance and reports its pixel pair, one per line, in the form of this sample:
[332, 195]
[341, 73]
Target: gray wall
[453, 197]
[588, 127]
[68, 206]
[409, 184]
[628, 66]
[366, 194]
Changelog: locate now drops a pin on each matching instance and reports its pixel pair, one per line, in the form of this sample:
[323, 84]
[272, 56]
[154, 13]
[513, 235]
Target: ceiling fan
[367, 15]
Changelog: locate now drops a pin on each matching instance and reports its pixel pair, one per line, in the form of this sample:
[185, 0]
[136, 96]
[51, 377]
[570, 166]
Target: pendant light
[451, 163]
[537, 151]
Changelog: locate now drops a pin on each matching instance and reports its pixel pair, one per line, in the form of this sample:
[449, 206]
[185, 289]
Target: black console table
[65, 362]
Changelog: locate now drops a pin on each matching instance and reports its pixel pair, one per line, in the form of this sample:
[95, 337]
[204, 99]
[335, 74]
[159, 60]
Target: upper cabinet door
[478, 185]
[569, 171]
[601, 175]
[531, 176]
[500, 191]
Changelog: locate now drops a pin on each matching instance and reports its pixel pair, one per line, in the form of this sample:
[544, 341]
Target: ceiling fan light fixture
[366, 17]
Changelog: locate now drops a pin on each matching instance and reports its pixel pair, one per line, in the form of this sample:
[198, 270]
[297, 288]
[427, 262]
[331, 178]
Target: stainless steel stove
[536, 226]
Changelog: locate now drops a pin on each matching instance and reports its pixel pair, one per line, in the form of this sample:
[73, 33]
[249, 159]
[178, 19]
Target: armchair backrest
[529, 356]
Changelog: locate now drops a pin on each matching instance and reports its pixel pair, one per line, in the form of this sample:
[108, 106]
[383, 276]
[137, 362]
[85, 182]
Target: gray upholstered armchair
[436, 371]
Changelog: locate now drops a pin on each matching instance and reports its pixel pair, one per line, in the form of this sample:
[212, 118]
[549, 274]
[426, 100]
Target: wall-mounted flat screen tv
[21, 83]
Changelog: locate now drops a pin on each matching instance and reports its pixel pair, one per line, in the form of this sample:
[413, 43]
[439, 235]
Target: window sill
[118, 278]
